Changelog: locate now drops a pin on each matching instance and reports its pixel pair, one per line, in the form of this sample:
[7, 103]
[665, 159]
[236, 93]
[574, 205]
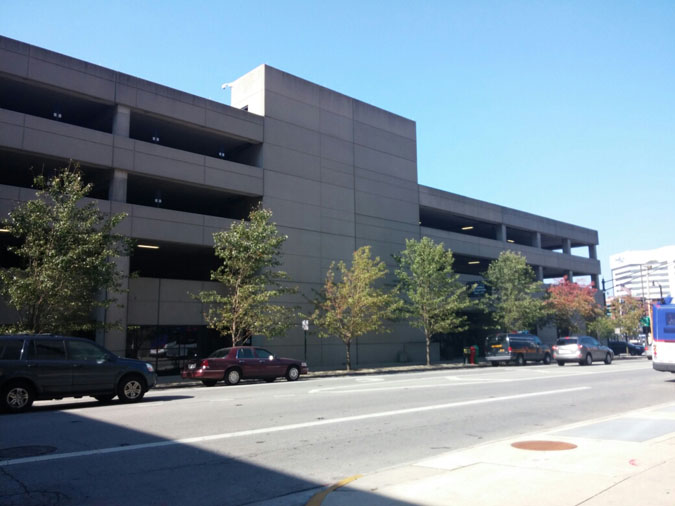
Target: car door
[593, 346]
[270, 366]
[94, 369]
[248, 363]
[49, 367]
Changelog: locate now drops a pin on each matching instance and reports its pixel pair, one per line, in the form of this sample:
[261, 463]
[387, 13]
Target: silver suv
[52, 367]
[581, 349]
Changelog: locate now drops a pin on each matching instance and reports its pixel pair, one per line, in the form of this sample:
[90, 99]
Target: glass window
[262, 353]
[566, 340]
[221, 353]
[245, 353]
[79, 350]
[10, 349]
[48, 349]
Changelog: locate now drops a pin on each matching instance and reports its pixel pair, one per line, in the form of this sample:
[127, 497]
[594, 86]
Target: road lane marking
[464, 381]
[318, 498]
[282, 428]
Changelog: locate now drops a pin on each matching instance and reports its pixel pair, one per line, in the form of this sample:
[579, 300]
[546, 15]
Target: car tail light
[204, 364]
[510, 350]
[578, 346]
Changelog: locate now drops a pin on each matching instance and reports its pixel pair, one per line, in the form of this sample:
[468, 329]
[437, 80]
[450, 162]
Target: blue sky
[564, 109]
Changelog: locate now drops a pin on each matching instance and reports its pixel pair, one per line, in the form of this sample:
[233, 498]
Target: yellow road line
[318, 498]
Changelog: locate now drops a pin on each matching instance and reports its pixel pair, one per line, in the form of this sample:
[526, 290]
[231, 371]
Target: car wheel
[608, 358]
[104, 398]
[293, 373]
[131, 389]
[588, 360]
[561, 363]
[232, 376]
[547, 359]
[17, 397]
[209, 382]
[520, 360]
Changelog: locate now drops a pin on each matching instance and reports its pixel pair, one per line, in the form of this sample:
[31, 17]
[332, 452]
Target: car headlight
[149, 367]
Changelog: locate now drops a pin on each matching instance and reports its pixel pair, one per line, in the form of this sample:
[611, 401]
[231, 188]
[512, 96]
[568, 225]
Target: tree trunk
[348, 345]
[428, 340]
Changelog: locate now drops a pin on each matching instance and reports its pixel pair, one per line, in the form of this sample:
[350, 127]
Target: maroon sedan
[242, 362]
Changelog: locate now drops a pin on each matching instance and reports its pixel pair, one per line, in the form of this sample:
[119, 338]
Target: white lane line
[467, 380]
[282, 428]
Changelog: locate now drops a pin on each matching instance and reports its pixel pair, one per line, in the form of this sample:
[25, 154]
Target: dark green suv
[38, 367]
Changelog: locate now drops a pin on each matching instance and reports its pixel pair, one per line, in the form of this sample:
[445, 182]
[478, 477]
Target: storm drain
[20, 452]
[543, 446]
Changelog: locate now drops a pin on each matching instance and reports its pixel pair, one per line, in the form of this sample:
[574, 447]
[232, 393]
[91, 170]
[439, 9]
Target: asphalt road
[260, 442]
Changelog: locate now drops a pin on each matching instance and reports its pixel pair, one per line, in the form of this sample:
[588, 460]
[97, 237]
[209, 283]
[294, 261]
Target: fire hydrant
[472, 357]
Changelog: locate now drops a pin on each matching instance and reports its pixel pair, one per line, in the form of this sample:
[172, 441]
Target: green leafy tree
[626, 312]
[250, 252]
[515, 301]
[602, 327]
[66, 252]
[435, 296]
[352, 305]
[572, 305]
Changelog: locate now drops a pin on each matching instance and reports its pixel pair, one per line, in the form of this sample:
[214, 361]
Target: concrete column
[570, 276]
[118, 186]
[540, 273]
[567, 246]
[501, 232]
[122, 121]
[596, 281]
[536, 242]
[592, 251]
[116, 340]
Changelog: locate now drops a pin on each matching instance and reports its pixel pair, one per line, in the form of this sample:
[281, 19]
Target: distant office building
[644, 273]
[336, 172]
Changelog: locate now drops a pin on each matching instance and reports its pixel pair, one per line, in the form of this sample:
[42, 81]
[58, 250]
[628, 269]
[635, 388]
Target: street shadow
[54, 456]
[91, 403]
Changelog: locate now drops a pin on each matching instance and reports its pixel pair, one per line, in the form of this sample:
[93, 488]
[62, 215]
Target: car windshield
[221, 353]
[566, 340]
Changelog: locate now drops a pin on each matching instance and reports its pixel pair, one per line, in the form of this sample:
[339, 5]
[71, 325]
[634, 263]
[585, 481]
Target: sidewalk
[625, 460]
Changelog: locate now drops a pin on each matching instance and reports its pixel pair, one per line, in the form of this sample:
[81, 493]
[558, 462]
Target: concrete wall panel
[337, 150]
[337, 125]
[387, 142]
[384, 163]
[293, 111]
[295, 163]
[292, 137]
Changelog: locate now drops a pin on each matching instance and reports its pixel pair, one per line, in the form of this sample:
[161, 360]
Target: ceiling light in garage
[148, 246]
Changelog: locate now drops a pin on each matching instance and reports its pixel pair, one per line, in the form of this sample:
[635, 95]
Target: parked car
[619, 347]
[242, 362]
[582, 349]
[34, 367]
[516, 348]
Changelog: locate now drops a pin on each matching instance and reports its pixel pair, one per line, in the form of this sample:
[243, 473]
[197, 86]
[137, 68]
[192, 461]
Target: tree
[626, 312]
[250, 251]
[572, 305]
[515, 299]
[352, 305]
[65, 255]
[435, 295]
[602, 327]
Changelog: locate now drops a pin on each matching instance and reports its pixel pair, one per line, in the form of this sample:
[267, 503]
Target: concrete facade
[337, 174]
[643, 273]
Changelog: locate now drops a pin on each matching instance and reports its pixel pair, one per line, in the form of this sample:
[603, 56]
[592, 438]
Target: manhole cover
[19, 452]
[543, 446]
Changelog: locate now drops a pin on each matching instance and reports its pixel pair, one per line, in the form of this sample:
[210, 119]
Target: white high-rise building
[644, 273]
